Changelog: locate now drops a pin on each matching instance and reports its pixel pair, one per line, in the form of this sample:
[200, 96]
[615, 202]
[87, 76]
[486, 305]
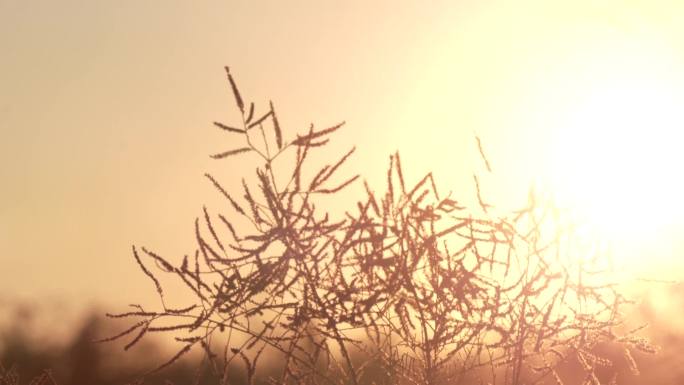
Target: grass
[408, 287]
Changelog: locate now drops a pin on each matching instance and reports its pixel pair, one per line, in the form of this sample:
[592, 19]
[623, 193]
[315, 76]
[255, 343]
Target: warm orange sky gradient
[106, 111]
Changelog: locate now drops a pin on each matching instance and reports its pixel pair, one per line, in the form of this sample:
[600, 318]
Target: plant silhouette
[409, 286]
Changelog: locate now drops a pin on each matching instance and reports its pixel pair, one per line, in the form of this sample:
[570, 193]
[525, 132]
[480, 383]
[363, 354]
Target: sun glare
[616, 157]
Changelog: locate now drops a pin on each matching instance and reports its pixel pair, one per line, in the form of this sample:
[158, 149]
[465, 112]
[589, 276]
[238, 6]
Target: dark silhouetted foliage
[409, 286]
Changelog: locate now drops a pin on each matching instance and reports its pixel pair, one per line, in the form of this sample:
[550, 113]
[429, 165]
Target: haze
[106, 111]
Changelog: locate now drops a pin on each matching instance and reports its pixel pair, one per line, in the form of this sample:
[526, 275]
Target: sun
[617, 158]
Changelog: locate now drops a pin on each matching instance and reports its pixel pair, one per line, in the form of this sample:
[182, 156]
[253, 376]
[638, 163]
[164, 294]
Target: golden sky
[106, 111]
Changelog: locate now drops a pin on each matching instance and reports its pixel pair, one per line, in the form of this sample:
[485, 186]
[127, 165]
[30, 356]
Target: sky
[106, 112]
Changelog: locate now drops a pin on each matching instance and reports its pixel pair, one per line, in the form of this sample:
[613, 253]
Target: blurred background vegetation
[73, 358]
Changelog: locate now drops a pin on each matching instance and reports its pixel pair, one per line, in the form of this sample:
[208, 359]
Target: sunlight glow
[617, 156]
